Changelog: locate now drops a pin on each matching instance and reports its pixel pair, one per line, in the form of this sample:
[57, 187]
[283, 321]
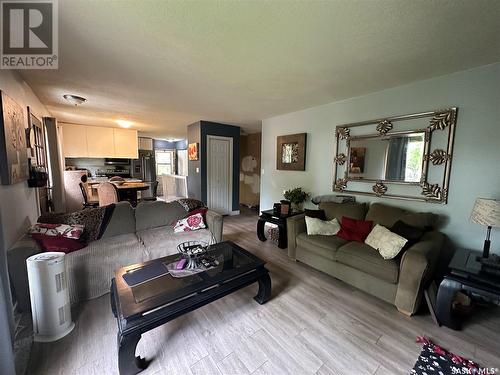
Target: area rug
[434, 360]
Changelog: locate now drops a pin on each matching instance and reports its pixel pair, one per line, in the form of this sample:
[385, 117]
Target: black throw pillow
[412, 234]
[317, 214]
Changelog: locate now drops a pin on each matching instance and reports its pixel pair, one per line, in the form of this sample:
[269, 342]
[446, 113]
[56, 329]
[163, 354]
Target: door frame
[230, 195]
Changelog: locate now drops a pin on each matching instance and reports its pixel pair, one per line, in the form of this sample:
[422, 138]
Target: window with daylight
[165, 162]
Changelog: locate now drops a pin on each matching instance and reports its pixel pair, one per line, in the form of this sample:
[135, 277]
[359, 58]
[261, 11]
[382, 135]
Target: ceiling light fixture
[74, 99]
[124, 123]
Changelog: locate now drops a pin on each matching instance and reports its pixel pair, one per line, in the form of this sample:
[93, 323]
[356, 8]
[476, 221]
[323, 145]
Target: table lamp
[486, 212]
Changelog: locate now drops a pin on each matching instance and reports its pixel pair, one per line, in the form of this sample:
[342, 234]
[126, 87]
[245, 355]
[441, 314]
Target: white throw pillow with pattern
[387, 243]
[317, 226]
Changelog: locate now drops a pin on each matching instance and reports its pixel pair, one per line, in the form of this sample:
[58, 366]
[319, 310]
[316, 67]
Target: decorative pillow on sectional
[354, 230]
[64, 230]
[57, 243]
[411, 233]
[317, 226]
[317, 214]
[202, 211]
[387, 243]
[190, 204]
[190, 223]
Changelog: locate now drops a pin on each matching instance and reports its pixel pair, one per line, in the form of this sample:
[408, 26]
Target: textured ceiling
[166, 64]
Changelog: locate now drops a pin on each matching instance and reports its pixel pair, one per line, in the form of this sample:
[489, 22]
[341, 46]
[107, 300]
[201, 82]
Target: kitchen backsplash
[95, 166]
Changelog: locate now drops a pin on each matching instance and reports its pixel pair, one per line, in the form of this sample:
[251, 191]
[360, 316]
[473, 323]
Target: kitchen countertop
[97, 180]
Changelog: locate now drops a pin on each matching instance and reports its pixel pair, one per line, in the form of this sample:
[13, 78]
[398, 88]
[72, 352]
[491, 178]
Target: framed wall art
[291, 152]
[193, 151]
[13, 153]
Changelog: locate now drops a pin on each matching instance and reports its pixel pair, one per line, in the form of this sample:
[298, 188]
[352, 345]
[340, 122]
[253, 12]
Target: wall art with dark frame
[291, 152]
[13, 154]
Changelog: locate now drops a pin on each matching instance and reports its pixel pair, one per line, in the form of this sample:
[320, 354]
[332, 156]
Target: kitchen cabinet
[125, 143]
[99, 142]
[145, 144]
[75, 140]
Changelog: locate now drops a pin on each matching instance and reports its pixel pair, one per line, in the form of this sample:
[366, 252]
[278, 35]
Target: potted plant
[297, 197]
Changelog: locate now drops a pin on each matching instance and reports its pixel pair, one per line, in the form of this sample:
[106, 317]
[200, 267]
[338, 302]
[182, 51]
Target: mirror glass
[396, 157]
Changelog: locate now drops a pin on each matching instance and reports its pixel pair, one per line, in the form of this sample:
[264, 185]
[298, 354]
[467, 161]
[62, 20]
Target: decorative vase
[297, 206]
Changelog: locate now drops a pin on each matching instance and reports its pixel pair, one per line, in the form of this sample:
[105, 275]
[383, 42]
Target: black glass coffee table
[152, 303]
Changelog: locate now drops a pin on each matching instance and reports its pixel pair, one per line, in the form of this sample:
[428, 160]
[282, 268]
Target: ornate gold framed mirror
[400, 157]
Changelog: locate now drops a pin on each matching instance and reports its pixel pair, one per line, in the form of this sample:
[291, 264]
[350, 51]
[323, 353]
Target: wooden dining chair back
[108, 193]
[87, 203]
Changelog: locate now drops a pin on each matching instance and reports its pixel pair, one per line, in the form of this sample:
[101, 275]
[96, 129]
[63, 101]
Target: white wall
[18, 203]
[476, 161]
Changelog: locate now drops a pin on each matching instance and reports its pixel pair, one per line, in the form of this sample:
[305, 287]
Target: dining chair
[87, 201]
[154, 193]
[108, 193]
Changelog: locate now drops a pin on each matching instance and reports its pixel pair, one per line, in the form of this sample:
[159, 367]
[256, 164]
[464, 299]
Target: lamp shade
[486, 212]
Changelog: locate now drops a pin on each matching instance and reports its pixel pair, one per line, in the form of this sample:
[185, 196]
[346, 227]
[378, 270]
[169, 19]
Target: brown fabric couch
[399, 281]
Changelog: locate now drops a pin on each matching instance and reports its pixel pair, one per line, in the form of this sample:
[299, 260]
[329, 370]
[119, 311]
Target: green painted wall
[476, 163]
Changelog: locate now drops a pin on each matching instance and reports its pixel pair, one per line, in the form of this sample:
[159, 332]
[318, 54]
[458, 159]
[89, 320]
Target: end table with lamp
[472, 271]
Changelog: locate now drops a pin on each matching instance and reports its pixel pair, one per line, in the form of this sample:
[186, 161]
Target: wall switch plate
[262, 171]
[197, 170]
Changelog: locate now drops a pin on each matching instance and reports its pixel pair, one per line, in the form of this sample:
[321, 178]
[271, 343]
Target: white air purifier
[50, 306]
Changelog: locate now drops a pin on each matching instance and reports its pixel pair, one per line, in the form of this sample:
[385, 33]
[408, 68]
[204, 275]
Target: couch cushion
[337, 210]
[122, 220]
[366, 259]
[422, 220]
[388, 215]
[162, 241]
[325, 246]
[90, 269]
[384, 215]
[157, 214]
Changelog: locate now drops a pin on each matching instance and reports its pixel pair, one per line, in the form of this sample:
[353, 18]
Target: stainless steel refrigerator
[144, 169]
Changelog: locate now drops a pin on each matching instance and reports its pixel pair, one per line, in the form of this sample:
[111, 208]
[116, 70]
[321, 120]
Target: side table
[465, 274]
[270, 216]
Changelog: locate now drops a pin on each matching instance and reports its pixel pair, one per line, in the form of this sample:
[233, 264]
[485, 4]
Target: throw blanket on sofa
[190, 204]
[95, 221]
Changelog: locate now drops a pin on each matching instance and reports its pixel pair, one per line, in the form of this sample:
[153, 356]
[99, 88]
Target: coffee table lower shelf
[131, 329]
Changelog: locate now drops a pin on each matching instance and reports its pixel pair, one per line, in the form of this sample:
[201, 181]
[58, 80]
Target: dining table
[127, 190]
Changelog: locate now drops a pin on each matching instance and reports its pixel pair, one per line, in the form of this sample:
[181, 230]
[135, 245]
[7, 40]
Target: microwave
[116, 161]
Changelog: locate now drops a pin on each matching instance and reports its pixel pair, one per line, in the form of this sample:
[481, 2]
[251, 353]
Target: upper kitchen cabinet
[100, 142]
[75, 140]
[126, 145]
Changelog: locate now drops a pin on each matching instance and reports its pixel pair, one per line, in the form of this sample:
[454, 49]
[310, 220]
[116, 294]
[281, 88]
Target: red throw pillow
[354, 230]
[202, 211]
[57, 243]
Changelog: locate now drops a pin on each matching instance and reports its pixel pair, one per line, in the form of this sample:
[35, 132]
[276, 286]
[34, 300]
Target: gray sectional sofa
[399, 281]
[131, 236]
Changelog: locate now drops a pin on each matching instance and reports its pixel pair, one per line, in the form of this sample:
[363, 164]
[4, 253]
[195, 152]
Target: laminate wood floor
[314, 324]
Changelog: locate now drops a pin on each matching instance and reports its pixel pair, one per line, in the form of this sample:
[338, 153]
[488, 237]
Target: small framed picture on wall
[193, 151]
